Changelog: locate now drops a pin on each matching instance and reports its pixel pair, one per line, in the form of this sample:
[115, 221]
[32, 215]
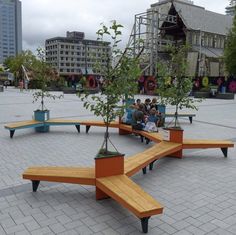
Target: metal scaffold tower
[146, 36]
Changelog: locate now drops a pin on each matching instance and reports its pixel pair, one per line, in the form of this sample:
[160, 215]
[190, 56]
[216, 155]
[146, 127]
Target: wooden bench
[203, 144]
[22, 125]
[73, 175]
[189, 115]
[131, 196]
[88, 124]
[32, 124]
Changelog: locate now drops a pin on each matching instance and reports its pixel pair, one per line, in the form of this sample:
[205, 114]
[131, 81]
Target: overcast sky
[43, 19]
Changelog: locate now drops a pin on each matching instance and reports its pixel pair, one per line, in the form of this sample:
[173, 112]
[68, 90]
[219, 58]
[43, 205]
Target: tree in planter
[173, 85]
[43, 74]
[119, 81]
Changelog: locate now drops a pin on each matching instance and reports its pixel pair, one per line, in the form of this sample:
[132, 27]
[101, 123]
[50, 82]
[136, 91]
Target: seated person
[138, 118]
[147, 106]
[153, 117]
[137, 103]
[154, 103]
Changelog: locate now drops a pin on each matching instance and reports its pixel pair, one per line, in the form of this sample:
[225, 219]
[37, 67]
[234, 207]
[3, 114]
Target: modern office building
[230, 10]
[10, 28]
[74, 55]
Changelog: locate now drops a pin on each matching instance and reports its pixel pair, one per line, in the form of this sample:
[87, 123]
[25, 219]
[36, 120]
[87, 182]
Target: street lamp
[200, 52]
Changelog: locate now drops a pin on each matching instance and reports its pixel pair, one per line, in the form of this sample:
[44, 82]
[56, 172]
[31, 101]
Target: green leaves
[119, 71]
[230, 50]
[173, 86]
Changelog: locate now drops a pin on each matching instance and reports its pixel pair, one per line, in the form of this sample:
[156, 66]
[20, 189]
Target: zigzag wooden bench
[110, 182]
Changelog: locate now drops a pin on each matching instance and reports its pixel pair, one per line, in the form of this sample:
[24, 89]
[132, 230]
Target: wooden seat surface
[129, 195]
[154, 136]
[23, 124]
[63, 122]
[98, 123]
[191, 144]
[75, 175]
[179, 115]
[138, 161]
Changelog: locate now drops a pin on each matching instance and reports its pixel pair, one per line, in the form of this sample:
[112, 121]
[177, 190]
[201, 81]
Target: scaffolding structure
[146, 36]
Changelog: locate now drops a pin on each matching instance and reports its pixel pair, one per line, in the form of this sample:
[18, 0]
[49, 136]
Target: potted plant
[175, 89]
[174, 86]
[119, 83]
[42, 73]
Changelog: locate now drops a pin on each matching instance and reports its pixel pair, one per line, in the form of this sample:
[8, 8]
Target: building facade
[10, 28]
[74, 55]
[204, 31]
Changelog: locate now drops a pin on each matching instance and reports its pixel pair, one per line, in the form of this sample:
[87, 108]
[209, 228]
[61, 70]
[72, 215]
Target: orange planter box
[108, 166]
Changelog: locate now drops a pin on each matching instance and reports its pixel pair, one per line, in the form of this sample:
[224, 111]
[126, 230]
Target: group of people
[143, 116]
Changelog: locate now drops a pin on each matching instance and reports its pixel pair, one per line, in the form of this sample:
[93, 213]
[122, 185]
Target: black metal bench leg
[147, 140]
[225, 151]
[191, 119]
[144, 170]
[12, 133]
[35, 184]
[144, 222]
[78, 128]
[87, 129]
[151, 165]
[141, 137]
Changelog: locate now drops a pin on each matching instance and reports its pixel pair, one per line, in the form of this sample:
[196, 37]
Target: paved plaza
[198, 192]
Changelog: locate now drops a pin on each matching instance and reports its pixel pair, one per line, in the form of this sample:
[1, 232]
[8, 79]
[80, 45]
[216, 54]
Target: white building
[74, 55]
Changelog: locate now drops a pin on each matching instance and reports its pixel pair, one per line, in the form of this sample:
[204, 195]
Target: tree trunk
[176, 115]
[42, 101]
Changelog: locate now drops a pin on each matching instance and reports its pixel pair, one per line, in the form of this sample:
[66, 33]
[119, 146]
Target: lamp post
[200, 53]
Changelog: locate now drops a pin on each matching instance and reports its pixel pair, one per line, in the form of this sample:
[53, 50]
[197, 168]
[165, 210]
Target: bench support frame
[35, 184]
[12, 133]
[78, 128]
[87, 129]
[144, 223]
[225, 151]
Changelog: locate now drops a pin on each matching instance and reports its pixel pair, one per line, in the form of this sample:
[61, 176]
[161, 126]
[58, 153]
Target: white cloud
[43, 19]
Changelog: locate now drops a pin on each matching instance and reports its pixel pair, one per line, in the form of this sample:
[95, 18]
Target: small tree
[43, 73]
[230, 49]
[120, 80]
[173, 85]
[26, 58]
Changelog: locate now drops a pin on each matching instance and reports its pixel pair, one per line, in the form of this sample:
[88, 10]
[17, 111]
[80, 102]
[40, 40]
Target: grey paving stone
[208, 227]
[195, 230]
[198, 192]
[57, 228]
[14, 229]
[42, 230]
[83, 230]
[110, 231]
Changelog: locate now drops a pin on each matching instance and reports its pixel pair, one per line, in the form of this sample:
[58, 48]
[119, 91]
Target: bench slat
[23, 124]
[76, 175]
[98, 123]
[179, 115]
[63, 122]
[130, 195]
[190, 144]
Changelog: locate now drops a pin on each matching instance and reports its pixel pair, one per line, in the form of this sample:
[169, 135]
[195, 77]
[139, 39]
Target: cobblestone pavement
[198, 192]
